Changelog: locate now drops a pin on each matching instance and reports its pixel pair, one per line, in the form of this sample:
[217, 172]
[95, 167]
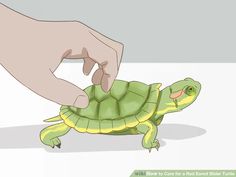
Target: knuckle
[112, 53]
[120, 47]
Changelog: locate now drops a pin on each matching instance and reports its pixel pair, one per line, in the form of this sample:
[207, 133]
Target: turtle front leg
[150, 132]
[49, 135]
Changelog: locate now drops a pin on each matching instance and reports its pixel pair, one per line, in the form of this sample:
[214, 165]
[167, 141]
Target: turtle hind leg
[49, 135]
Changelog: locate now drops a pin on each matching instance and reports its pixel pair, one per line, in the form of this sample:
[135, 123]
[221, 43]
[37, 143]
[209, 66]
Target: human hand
[31, 51]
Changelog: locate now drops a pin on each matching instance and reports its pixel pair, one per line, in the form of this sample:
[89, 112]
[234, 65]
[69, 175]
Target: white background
[200, 137]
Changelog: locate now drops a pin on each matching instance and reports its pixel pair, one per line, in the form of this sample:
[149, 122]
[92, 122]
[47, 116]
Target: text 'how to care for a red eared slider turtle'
[129, 108]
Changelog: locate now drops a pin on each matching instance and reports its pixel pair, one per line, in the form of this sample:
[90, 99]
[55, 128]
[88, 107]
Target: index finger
[110, 71]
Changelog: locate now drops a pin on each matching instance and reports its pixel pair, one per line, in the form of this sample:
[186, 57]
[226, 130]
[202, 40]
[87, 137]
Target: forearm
[9, 16]
[13, 27]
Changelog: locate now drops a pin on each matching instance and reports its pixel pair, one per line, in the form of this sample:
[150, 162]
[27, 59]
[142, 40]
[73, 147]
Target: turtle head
[178, 96]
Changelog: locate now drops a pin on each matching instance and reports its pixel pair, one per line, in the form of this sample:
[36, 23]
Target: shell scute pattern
[108, 109]
[124, 106]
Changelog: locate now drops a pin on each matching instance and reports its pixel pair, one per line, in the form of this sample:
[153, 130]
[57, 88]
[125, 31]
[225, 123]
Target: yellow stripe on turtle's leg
[49, 135]
[149, 130]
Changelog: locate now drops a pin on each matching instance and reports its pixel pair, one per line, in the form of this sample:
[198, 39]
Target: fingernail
[81, 101]
[105, 87]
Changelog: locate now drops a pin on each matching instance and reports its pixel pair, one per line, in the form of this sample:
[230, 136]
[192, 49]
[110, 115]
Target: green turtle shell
[124, 106]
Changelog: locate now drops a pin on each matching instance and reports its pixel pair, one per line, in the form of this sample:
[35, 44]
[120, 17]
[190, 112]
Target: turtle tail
[53, 119]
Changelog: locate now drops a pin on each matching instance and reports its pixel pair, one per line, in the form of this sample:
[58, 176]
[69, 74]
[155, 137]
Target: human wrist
[14, 26]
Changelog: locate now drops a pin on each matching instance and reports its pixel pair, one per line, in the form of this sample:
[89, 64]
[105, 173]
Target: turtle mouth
[174, 96]
[176, 103]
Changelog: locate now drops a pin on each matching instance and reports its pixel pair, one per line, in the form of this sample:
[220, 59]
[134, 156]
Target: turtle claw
[53, 143]
[157, 145]
[149, 150]
[58, 145]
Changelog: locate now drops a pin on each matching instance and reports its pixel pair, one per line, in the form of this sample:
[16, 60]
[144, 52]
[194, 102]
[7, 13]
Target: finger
[58, 90]
[118, 47]
[88, 65]
[109, 75]
[106, 82]
[120, 55]
[97, 76]
[107, 58]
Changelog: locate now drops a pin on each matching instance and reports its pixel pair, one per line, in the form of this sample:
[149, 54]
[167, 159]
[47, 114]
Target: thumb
[58, 90]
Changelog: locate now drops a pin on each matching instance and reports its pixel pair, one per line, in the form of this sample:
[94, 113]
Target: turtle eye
[190, 90]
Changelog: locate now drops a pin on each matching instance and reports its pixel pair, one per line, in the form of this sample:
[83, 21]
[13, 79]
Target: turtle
[129, 108]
